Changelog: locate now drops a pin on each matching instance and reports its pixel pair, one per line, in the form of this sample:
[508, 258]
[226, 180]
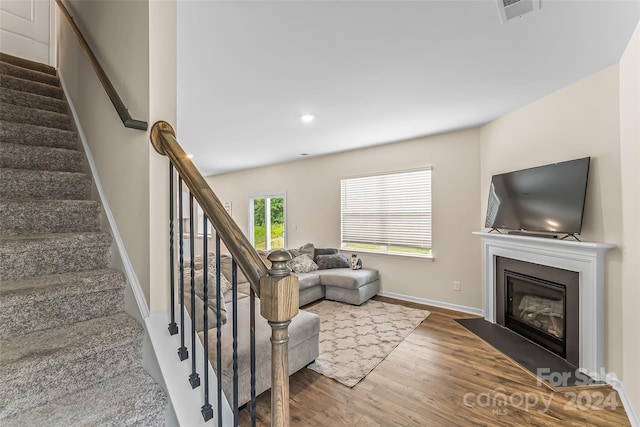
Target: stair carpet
[69, 355]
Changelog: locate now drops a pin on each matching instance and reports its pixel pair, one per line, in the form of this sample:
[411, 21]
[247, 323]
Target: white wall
[580, 120]
[630, 171]
[313, 209]
[135, 44]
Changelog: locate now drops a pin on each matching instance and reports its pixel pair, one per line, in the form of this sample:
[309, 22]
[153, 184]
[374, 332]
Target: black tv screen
[547, 198]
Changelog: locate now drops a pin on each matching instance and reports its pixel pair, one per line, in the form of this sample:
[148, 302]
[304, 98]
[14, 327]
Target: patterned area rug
[353, 340]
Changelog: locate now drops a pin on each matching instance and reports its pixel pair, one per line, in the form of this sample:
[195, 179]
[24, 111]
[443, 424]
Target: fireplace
[535, 309]
[585, 260]
[541, 304]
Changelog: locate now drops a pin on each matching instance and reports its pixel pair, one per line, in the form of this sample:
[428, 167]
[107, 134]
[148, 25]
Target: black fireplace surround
[541, 303]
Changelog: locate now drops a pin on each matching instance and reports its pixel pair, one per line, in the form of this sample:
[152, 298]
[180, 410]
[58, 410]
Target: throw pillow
[326, 262]
[308, 249]
[294, 253]
[302, 264]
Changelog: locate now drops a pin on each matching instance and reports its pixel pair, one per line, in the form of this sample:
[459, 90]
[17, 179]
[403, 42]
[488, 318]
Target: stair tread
[126, 400]
[26, 184]
[24, 217]
[9, 69]
[37, 136]
[39, 350]
[19, 114]
[27, 63]
[36, 289]
[32, 100]
[25, 85]
[21, 156]
[40, 173]
[53, 240]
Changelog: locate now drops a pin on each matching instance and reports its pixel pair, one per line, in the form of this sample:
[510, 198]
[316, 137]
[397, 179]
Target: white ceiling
[372, 72]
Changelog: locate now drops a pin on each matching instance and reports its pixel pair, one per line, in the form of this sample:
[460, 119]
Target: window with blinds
[388, 213]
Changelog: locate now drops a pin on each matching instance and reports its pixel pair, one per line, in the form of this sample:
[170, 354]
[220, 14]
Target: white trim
[617, 385]
[586, 258]
[52, 33]
[126, 262]
[186, 401]
[441, 304]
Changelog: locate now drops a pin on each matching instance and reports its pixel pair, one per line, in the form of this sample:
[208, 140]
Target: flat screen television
[547, 198]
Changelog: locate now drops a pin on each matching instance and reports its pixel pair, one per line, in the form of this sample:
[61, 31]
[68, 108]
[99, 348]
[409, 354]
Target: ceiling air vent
[510, 9]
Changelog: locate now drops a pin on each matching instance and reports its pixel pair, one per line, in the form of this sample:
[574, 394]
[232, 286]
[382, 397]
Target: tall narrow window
[388, 213]
[267, 221]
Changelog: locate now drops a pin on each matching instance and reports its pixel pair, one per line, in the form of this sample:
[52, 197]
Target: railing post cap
[160, 126]
[279, 260]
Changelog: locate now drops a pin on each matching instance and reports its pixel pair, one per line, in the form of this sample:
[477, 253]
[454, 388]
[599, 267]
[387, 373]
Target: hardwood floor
[443, 375]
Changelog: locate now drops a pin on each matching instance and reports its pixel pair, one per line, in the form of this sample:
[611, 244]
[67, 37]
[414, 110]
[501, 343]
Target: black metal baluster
[207, 410]
[252, 320]
[218, 334]
[183, 353]
[194, 378]
[173, 328]
[234, 287]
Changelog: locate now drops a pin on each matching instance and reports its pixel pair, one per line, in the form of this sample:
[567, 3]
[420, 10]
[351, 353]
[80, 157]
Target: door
[26, 29]
[267, 221]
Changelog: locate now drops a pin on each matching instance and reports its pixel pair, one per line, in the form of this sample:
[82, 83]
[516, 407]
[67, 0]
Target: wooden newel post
[279, 297]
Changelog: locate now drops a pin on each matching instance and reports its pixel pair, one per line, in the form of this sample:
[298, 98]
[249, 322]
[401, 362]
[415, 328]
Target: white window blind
[388, 210]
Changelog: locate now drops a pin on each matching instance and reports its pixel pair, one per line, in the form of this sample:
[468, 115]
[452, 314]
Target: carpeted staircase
[69, 355]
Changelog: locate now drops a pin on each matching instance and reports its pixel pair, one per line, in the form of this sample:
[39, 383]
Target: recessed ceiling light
[307, 118]
[190, 156]
[304, 154]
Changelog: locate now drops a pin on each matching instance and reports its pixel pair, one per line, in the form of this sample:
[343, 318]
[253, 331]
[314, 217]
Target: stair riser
[31, 100]
[18, 156]
[24, 73]
[30, 116]
[33, 389]
[20, 218]
[23, 85]
[16, 265]
[57, 313]
[18, 133]
[16, 185]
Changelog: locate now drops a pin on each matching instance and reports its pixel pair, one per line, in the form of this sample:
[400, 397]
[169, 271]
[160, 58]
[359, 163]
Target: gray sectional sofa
[338, 283]
[331, 277]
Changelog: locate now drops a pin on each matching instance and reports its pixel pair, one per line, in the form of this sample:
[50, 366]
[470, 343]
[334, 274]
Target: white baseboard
[128, 267]
[449, 306]
[617, 385]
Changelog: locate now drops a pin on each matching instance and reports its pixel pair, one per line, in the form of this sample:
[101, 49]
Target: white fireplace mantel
[586, 258]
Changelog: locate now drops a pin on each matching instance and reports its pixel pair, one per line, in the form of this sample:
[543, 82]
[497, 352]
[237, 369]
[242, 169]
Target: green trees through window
[267, 219]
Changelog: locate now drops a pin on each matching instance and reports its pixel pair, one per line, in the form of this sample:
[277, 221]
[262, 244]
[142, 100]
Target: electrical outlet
[456, 285]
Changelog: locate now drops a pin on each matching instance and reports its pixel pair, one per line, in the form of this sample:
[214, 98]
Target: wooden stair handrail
[121, 109]
[163, 139]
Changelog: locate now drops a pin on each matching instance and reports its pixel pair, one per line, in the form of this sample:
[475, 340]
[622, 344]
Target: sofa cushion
[324, 251]
[303, 326]
[302, 264]
[199, 314]
[225, 268]
[198, 277]
[332, 261]
[308, 280]
[347, 278]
